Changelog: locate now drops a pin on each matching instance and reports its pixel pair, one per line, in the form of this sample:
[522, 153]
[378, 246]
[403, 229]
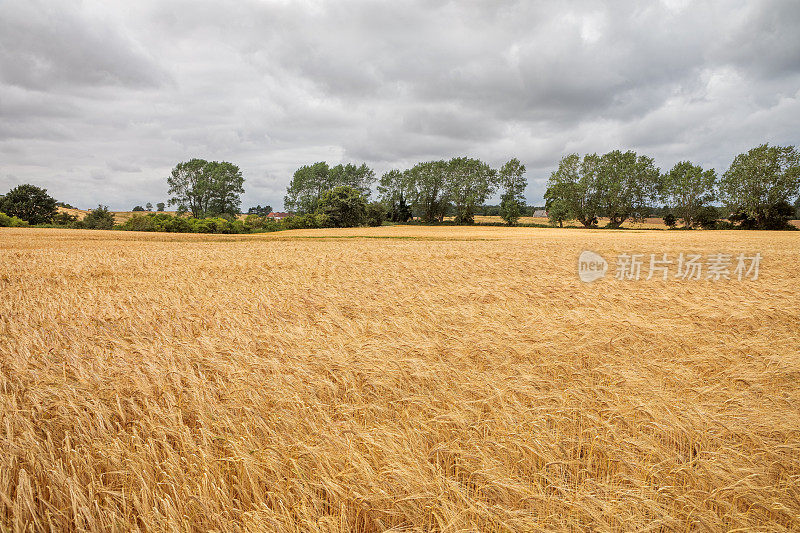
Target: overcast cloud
[100, 99]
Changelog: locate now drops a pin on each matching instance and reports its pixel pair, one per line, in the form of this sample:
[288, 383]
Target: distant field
[407, 377]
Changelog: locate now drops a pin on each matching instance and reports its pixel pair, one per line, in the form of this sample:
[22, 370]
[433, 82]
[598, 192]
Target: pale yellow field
[427, 379]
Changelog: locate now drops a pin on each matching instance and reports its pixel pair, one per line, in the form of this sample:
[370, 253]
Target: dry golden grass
[400, 377]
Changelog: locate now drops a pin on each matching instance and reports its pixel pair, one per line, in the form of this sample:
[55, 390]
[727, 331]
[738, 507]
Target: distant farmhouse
[540, 213]
[278, 216]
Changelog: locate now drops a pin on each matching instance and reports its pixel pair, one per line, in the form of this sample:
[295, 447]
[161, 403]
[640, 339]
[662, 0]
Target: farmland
[407, 377]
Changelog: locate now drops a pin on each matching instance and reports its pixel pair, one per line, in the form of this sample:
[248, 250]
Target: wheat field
[394, 378]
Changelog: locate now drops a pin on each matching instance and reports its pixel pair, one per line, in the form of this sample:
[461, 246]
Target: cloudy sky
[100, 99]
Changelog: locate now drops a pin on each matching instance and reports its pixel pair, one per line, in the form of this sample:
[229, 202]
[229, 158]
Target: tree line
[755, 191]
[432, 189]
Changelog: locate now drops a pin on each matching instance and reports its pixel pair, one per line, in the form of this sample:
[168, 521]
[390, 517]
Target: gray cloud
[98, 100]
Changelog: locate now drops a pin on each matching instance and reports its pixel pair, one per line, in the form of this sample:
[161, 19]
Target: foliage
[260, 211]
[707, 217]
[558, 212]
[160, 206]
[344, 207]
[206, 188]
[670, 220]
[376, 214]
[512, 179]
[574, 189]
[29, 203]
[687, 188]
[310, 182]
[137, 208]
[393, 189]
[469, 183]
[774, 217]
[11, 222]
[628, 182]
[100, 218]
[64, 219]
[148, 206]
[427, 185]
[759, 183]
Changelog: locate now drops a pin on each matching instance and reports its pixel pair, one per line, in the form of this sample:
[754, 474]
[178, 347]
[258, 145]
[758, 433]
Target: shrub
[376, 214]
[707, 217]
[65, 219]
[100, 218]
[139, 223]
[11, 222]
[345, 207]
[670, 220]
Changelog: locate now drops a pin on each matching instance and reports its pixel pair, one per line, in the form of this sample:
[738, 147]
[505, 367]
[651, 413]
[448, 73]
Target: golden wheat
[404, 378]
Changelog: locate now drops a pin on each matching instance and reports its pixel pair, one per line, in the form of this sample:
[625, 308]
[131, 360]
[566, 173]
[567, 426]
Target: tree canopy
[206, 188]
[29, 203]
[760, 180]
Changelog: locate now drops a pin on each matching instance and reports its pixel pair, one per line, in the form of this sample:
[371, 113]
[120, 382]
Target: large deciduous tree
[760, 182]
[311, 181]
[393, 190]
[29, 203]
[427, 184]
[469, 183]
[512, 202]
[206, 188]
[687, 188]
[344, 207]
[574, 189]
[628, 183]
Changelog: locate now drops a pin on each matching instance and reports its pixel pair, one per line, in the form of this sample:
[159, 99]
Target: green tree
[160, 206]
[376, 213]
[311, 181]
[137, 208]
[574, 189]
[306, 188]
[469, 182]
[344, 207]
[687, 188]
[227, 187]
[100, 218]
[148, 206]
[557, 211]
[628, 183]
[393, 189]
[427, 183]
[797, 208]
[760, 181]
[359, 178]
[512, 179]
[206, 188]
[29, 203]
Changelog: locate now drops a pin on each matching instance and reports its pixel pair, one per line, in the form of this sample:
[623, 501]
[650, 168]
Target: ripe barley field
[395, 378]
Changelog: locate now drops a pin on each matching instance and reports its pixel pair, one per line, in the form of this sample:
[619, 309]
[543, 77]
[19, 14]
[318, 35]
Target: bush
[139, 223]
[707, 217]
[11, 222]
[376, 214]
[670, 220]
[65, 219]
[100, 218]
[345, 207]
